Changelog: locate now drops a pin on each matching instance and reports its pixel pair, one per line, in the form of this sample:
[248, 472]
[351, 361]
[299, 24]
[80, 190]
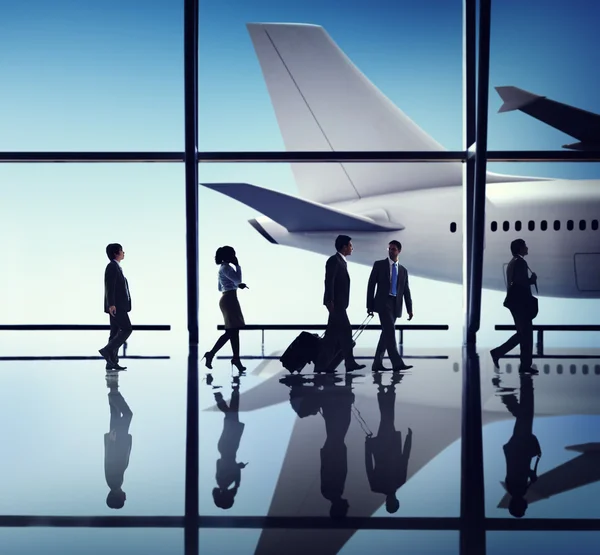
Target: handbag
[516, 300]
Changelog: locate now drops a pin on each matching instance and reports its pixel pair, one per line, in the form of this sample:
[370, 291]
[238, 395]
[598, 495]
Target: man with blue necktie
[386, 291]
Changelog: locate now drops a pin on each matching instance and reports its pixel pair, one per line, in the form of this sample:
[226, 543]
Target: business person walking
[117, 304]
[230, 279]
[337, 299]
[519, 301]
[387, 289]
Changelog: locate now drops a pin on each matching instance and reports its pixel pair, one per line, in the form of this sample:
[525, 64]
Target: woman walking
[230, 280]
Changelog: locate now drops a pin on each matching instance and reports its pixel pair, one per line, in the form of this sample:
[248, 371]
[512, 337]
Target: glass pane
[92, 76]
[81, 443]
[540, 60]
[326, 542]
[522, 543]
[61, 217]
[97, 541]
[311, 98]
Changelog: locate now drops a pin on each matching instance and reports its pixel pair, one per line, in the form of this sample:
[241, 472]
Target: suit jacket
[337, 282]
[516, 273]
[380, 278]
[115, 288]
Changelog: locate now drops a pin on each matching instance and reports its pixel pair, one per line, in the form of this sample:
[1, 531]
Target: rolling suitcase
[338, 357]
[303, 349]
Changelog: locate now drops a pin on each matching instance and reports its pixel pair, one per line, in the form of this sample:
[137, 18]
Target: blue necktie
[394, 279]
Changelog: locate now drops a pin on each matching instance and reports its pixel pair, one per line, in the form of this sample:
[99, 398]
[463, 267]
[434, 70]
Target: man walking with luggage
[337, 298]
[391, 280]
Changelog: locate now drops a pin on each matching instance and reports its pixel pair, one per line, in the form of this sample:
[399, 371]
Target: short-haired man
[520, 282]
[117, 304]
[386, 291]
[337, 299]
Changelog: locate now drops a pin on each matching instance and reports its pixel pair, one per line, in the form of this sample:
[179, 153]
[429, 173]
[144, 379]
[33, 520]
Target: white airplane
[324, 103]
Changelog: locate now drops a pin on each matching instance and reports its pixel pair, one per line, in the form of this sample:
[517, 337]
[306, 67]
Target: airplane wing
[296, 214]
[579, 124]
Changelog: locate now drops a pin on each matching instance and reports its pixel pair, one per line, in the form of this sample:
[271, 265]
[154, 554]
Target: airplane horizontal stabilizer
[580, 124]
[296, 214]
[585, 448]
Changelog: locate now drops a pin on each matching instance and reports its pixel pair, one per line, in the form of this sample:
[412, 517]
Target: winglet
[515, 98]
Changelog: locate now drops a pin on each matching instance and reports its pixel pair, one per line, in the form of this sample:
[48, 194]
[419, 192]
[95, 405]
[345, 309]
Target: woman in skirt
[230, 280]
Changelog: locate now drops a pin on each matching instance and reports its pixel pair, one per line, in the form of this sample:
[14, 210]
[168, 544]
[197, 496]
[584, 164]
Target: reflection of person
[117, 303]
[228, 470]
[336, 299]
[391, 280]
[519, 288]
[521, 447]
[336, 406]
[386, 461]
[230, 279]
[117, 444]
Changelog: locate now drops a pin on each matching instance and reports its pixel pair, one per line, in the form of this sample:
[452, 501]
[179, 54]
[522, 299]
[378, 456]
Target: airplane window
[455, 367]
[585, 370]
[582, 225]
[494, 226]
[544, 225]
[594, 225]
[518, 225]
[505, 226]
[573, 369]
[557, 225]
[597, 369]
[531, 225]
[570, 225]
[453, 227]
[546, 369]
[559, 369]
[509, 369]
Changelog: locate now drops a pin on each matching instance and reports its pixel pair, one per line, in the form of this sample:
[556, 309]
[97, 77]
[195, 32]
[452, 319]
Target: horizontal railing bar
[93, 521]
[121, 357]
[302, 157]
[265, 357]
[296, 327]
[77, 327]
[552, 327]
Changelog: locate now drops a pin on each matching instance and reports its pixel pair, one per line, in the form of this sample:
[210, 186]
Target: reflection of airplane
[324, 103]
[582, 125]
[428, 402]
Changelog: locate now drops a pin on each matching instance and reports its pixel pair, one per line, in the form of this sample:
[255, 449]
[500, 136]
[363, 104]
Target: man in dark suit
[117, 303]
[336, 299]
[391, 280]
[520, 282]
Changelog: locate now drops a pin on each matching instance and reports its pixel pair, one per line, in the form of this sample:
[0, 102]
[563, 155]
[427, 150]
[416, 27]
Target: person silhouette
[230, 280]
[385, 459]
[522, 447]
[228, 469]
[117, 444]
[336, 406]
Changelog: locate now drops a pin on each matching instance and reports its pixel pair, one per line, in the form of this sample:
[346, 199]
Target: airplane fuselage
[566, 260]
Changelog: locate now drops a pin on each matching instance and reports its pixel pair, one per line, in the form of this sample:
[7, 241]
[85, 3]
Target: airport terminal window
[453, 227]
[531, 225]
[594, 225]
[517, 225]
[494, 226]
[505, 226]
[544, 225]
[557, 225]
[570, 225]
[582, 225]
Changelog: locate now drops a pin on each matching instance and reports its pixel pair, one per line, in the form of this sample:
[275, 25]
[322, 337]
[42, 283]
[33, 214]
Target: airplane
[323, 102]
[428, 402]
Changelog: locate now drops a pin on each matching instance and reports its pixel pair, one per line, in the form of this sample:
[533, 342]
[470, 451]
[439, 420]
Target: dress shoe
[379, 368]
[355, 366]
[401, 367]
[529, 370]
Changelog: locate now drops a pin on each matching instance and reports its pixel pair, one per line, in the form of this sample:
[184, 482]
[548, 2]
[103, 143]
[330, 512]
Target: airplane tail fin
[515, 98]
[323, 102]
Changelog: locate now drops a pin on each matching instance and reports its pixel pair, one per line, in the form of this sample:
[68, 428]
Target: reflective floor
[361, 445]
